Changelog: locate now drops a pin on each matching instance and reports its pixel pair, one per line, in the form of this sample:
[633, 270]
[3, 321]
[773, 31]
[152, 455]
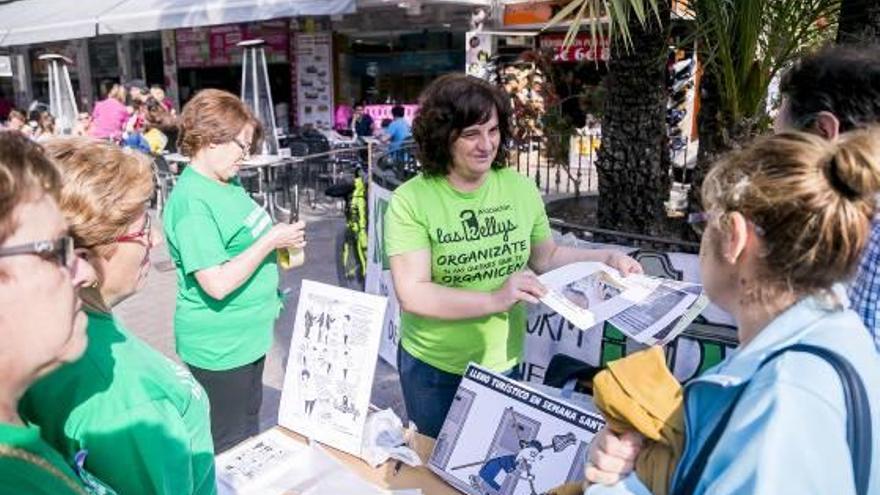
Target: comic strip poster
[503, 437]
[331, 364]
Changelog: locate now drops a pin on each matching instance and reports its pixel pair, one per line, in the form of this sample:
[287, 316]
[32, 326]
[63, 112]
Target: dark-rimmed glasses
[60, 250]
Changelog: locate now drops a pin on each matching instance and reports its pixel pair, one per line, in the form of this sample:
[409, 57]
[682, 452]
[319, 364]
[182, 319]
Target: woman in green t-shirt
[465, 239]
[123, 401]
[223, 246]
[42, 324]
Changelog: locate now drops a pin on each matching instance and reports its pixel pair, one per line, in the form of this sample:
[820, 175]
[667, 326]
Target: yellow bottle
[291, 257]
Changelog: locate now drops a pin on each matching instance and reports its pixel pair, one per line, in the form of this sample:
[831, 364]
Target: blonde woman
[42, 324]
[110, 115]
[786, 221]
[124, 411]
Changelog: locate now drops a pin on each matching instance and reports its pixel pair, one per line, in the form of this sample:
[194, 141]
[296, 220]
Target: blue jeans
[428, 392]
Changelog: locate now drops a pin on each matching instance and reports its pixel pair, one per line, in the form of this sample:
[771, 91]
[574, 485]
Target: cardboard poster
[331, 364]
[502, 437]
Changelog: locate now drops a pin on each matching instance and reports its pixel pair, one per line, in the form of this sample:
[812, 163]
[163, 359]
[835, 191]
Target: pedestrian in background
[110, 115]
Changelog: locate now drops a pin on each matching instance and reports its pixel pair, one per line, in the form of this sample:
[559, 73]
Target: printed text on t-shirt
[472, 229]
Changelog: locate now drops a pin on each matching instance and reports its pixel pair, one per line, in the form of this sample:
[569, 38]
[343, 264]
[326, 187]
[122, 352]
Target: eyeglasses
[698, 222]
[245, 150]
[60, 250]
[146, 231]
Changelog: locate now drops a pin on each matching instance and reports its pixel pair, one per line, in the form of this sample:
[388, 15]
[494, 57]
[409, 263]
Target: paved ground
[150, 312]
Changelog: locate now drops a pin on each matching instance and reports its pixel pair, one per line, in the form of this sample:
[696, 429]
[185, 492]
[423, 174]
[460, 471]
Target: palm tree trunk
[633, 162]
[859, 21]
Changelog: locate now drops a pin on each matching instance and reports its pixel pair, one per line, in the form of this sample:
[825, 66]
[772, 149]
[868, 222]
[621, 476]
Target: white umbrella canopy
[152, 15]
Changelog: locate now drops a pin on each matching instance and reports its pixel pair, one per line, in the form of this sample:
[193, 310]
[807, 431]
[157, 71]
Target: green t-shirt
[28, 465]
[477, 240]
[206, 224]
[143, 419]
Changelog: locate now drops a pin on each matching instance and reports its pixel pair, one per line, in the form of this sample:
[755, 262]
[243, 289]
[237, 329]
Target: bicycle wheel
[348, 266]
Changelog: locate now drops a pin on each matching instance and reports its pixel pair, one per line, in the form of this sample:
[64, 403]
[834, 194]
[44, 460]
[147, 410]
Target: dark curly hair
[449, 105]
[842, 79]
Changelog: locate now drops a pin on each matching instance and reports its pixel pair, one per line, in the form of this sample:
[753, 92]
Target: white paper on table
[331, 363]
[254, 464]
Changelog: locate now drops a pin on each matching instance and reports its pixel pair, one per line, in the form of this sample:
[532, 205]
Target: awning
[37, 21]
[152, 15]
[25, 22]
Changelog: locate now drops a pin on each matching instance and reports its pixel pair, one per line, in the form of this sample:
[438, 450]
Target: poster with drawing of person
[330, 368]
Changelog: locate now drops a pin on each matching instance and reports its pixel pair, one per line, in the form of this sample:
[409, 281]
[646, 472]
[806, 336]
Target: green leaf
[564, 13]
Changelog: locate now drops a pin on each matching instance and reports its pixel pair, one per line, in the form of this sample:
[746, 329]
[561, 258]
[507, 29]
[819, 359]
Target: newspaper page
[507, 438]
[256, 463]
[649, 310]
[273, 463]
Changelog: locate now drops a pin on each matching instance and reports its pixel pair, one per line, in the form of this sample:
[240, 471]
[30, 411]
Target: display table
[384, 476]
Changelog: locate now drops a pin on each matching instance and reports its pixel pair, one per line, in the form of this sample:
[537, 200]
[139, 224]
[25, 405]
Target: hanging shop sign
[520, 14]
[314, 82]
[582, 49]
[480, 48]
[538, 13]
[216, 46]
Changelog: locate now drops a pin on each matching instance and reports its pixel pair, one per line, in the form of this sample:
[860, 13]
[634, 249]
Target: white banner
[705, 343]
[378, 280]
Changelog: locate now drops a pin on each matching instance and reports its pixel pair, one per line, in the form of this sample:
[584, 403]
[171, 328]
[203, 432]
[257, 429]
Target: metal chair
[164, 179]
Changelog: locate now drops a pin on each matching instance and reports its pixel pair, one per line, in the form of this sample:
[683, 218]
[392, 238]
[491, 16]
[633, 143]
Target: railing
[559, 164]
[315, 164]
[596, 234]
[549, 161]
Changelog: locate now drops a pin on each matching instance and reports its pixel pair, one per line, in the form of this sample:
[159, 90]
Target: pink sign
[380, 112]
[216, 45]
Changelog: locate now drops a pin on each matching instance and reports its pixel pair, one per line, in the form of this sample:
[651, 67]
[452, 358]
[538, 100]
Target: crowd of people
[130, 115]
[788, 249]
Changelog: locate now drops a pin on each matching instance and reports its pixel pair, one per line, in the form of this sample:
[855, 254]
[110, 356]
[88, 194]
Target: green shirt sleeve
[147, 449]
[404, 231]
[199, 242]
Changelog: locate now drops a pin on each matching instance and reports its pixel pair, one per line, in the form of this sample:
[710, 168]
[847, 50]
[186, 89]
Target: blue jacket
[788, 432]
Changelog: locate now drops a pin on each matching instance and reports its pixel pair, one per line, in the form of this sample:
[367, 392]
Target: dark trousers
[428, 392]
[235, 396]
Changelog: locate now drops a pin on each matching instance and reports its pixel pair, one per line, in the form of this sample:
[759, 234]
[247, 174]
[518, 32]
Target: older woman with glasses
[223, 245]
[124, 411]
[42, 324]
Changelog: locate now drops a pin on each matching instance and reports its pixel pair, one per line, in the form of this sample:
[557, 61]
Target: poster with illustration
[503, 437]
[331, 364]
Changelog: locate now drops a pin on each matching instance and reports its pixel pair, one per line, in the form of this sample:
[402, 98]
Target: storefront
[208, 57]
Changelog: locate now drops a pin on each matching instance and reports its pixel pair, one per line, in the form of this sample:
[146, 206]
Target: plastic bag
[385, 437]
